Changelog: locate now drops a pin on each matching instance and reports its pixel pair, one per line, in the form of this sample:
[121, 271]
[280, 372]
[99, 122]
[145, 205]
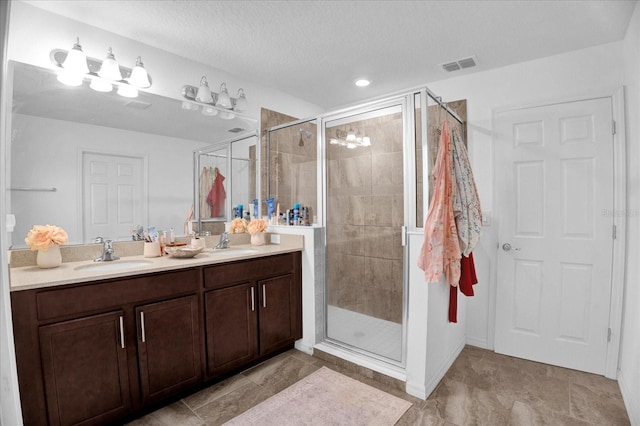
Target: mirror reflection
[99, 164]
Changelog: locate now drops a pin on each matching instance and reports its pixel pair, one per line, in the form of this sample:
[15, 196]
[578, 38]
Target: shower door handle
[404, 236]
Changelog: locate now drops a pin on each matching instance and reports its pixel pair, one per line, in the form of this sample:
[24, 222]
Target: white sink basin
[234, 252]
[116, 265]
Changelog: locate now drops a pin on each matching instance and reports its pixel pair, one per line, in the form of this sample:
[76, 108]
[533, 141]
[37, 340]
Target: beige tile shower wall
[365, 215]
[435, 115]
[293, 168]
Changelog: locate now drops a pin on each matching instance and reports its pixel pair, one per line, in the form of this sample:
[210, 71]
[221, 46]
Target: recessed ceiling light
[362, 82]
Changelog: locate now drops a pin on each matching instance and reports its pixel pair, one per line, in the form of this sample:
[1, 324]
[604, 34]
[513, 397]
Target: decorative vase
[258, 239]
[50, 258]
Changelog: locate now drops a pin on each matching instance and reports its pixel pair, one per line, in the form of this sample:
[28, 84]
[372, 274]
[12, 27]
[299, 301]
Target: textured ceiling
[315, 49]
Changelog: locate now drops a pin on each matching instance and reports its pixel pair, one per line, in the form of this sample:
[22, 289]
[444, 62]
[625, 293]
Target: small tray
[183, 251]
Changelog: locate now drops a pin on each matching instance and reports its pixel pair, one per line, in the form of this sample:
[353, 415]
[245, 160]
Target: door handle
[509, 247]
[144, 334]
[253, 299]
[264, 295]
[121, 332]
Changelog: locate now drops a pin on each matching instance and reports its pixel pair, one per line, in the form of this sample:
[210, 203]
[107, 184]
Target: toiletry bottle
[163, 242]
[172, 236]
[240, 212]
[296, 213]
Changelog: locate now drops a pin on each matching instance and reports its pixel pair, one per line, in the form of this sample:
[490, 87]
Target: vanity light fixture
[211, 103]
[100, 85]
[110, 70]
[75, 67]
[224, 100]
[76, 60]
[350, 139]
[204, 92]
[139, 76]
[241, 101]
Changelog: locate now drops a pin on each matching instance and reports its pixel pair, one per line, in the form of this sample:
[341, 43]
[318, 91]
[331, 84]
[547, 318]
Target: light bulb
[204, 93]
[224, 100]
[127, 91]
[189, 106]
[76, 60]
[139, 76]
[69, 78]
[110, 70]
[241, 102]
[366, 141]
[209, 111]
[351, 136]
[101, 85]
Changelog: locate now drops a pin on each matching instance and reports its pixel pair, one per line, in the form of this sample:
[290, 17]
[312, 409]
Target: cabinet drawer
[106, 294]
[223, 275]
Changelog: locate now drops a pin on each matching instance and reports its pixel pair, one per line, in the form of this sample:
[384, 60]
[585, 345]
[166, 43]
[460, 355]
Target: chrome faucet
[224, 241]
[107, 251]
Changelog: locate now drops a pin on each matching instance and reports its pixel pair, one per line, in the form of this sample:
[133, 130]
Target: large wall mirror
[99, 164]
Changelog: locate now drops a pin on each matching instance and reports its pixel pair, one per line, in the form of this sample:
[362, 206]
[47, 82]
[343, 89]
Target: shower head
[307, 134]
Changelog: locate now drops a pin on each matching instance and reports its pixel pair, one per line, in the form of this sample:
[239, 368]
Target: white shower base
[374, 335]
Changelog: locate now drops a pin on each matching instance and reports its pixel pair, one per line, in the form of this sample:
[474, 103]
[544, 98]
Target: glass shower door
[365, 303]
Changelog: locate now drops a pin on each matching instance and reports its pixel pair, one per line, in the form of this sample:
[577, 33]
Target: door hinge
[615, 232]
[613, 127]
[609, 335]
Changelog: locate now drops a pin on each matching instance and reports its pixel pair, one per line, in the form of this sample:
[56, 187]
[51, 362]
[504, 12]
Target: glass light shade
[110, 70]
[69, 78]
[209, 111]
[76, 60]
[366, 141]
[226, 115]
[224, 100]
[351, 136]
[127, 91]
[189, 106]
[139, 76]
[351, 145]
[204, 93]
[241, 102]
[101, 85]
[333, 141]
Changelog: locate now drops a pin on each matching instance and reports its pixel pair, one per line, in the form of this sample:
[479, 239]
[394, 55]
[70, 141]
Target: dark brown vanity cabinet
[94, 353]
[84, 366]
[255, 308]
[101, 352]
[168, 346]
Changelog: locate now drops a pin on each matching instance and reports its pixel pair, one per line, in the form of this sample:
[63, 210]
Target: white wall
[53, 146]
[629, 368]
[596, 70]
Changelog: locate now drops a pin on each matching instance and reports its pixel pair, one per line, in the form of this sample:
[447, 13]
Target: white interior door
[113, 196]
[554, 177]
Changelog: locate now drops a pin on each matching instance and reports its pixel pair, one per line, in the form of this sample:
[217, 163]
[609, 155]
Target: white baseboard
[630, 400]
[302, 346]
[480, 343]
[423, 391]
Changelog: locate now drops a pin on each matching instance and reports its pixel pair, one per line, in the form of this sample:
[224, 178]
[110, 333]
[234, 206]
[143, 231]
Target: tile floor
[481, 388]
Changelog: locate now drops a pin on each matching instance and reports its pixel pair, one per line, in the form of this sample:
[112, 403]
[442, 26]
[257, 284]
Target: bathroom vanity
[100, 350]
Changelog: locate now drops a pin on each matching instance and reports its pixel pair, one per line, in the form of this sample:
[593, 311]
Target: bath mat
[326, 398]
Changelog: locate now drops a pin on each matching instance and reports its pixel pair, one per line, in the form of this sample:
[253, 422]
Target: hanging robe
[216, 196]
[440, 253]
[466, 204]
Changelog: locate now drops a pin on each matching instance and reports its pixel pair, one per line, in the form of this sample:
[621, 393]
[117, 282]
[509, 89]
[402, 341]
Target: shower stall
[369, 195]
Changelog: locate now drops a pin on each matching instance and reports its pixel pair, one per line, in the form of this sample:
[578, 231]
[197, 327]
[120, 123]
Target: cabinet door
[168, 346]
[231, 324]
[85, 369]
[277, 318]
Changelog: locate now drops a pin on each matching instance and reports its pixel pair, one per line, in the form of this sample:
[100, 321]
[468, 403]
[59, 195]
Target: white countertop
[31, 277]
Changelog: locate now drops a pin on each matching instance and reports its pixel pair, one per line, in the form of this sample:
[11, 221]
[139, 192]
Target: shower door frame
[407, 104]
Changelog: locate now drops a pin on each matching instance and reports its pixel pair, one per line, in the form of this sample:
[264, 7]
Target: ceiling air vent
[460, 64]
[236, 130]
